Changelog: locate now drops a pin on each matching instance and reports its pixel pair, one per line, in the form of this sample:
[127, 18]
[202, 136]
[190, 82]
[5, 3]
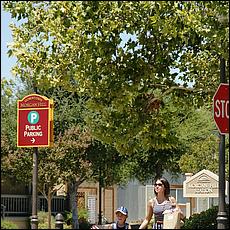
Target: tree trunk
[67, 200]
[73, 198]
[49, 208]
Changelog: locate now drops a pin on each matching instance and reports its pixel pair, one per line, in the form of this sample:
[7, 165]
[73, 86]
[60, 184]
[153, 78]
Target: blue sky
[6, 62]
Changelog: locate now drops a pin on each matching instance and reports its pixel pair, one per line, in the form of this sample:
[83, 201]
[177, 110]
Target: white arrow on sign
[33, 140]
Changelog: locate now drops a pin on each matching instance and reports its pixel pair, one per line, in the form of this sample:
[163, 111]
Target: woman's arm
[149, 215]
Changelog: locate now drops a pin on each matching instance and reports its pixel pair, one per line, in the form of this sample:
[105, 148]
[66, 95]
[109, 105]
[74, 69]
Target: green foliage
[68, 109]
[43, 220]
[205, 219]
[200, 139]
[106, 162]
[6, 224]
[82, 218]
[128, 84]
[10, 153]
[8, 117]
[128, 68]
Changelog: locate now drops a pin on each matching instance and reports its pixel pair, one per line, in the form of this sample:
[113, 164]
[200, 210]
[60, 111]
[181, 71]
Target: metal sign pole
[34, 218]
[100, 186]
[222, 215]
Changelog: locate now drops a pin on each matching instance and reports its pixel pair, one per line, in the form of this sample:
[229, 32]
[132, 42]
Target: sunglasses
[159, 184]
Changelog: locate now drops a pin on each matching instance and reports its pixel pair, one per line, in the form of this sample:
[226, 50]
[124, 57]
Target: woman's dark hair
[165, 182]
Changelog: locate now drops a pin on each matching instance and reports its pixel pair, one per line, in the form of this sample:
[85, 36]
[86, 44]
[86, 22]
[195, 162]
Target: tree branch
[154, 102]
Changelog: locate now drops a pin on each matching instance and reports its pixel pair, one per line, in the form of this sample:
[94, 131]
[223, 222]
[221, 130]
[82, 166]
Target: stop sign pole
[222, 215]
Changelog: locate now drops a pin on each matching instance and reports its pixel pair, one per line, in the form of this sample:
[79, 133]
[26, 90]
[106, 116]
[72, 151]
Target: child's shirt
[115, 226]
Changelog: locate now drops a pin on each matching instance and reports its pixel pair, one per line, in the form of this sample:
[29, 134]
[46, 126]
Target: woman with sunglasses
[161, 202]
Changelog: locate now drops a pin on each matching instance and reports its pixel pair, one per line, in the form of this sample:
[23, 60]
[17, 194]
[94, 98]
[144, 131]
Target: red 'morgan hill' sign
[35, 121]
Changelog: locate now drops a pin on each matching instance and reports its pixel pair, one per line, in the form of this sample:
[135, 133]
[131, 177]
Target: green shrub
[204, 220]
[6, 224]
[43, 220]
[82, 218]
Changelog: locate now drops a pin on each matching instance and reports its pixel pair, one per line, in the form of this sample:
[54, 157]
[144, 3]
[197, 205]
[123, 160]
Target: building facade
[134, 196]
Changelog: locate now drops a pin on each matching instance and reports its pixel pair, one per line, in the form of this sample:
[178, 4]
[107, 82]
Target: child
[122, 215]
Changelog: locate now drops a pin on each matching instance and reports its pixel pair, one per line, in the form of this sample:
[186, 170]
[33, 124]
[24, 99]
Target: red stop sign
[221, 108]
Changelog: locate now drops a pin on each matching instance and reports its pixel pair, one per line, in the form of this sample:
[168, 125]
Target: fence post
[3, 209]
[59, 221]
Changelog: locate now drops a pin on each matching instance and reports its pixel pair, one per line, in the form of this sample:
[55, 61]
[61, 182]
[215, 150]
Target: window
[178, 194]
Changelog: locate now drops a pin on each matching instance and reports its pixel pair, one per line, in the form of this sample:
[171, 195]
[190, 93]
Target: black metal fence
[20, 205]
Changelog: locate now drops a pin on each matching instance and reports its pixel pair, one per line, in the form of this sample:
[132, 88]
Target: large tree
[132, 61]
